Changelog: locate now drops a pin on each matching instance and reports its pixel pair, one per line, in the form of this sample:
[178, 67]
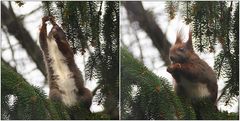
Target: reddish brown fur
[84, 95]
[186, 64]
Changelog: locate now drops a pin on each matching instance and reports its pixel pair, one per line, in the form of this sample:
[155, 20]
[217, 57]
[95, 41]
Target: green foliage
[109, 59]
[206, 110]
[171, 8]
[80, 20]
[217, 22]
[187, 12]
[227, 61]
[21, 101]
[28, 101]
[103, 63]
[47, 7]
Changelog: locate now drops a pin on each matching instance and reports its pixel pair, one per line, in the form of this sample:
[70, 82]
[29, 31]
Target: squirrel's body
[194, 77]
[192, 89]
[65, 79]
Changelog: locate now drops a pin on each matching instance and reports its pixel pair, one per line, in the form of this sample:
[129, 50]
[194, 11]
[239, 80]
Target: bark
[16, 28]
[146, 21]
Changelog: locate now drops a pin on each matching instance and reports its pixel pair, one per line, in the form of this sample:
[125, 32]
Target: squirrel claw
[173, 67]
[169, 69]
[49, 18]
[45, 18]
[178, 65]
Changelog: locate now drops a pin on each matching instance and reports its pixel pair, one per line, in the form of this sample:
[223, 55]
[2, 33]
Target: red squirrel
[65, 79]
[194, 77]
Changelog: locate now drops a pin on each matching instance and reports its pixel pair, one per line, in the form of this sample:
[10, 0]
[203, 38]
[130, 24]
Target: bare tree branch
[17, 29]
[146, 21]
[3, 61]
[21, 17]
[10, 45]
[139, 45]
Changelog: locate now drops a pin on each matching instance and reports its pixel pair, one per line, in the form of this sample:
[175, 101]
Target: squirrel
[194, 78]
[65, 79]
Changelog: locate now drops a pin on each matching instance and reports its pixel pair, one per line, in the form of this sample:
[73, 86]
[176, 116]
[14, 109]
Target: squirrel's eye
[181, 49]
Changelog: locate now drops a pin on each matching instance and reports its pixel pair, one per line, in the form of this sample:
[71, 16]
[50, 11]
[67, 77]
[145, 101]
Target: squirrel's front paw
[169, 69]
[52, 20]
[45, 18]
[173, 67]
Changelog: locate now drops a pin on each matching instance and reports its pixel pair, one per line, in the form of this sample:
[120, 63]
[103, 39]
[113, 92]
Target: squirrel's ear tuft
[189, 42]
[179, 36]
[179, 39]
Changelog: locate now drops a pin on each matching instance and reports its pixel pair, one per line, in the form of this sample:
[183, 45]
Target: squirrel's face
[181, 52]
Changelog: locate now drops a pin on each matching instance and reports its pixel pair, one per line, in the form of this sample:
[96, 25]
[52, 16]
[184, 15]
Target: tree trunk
[17, 29]
[146, 21]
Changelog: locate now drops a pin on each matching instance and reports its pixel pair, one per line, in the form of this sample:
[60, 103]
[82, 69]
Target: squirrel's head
[58, 33]
[181, 52]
